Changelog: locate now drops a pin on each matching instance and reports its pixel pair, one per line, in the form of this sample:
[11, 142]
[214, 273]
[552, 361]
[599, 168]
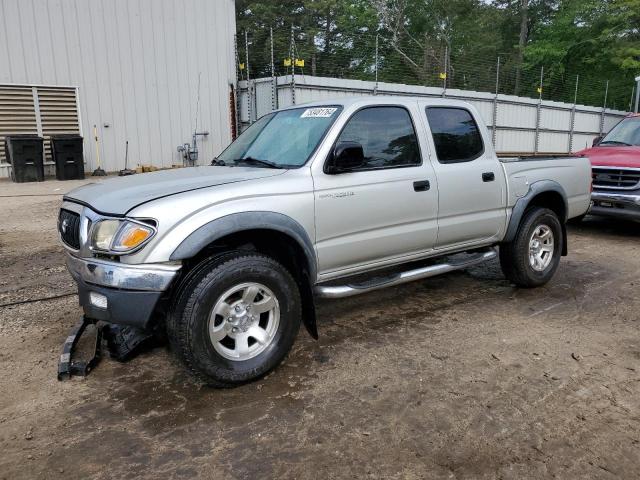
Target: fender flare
[242, 221]
[522, 203]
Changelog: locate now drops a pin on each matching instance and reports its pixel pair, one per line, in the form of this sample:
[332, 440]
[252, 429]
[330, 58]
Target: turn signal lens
[130, 236]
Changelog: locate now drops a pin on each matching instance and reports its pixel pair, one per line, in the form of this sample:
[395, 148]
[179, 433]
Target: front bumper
[126, 294]
[614, 204]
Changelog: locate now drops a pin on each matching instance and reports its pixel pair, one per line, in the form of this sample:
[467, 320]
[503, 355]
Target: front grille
[616, 178]
[69, 228]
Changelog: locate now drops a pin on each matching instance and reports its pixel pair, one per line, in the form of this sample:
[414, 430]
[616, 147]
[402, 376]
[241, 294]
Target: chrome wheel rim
[541, 248]
[244, 321]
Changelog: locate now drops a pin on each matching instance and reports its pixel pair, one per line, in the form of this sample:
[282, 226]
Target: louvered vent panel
[58, 112]
[17, 113]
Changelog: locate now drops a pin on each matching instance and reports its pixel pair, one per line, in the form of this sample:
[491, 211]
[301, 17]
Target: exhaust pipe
[341, 291]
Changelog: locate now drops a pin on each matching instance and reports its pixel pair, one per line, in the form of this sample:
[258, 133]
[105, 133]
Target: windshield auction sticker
[318, 112]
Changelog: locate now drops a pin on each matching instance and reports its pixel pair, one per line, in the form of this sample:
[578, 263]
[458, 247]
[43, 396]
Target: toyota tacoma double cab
[327, 199]
[615, 161]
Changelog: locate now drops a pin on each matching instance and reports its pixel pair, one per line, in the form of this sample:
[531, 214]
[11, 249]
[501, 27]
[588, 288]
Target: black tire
[188, 322]
[514, 256]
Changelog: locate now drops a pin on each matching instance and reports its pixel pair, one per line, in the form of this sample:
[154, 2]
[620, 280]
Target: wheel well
[277, 245]
[551, 200]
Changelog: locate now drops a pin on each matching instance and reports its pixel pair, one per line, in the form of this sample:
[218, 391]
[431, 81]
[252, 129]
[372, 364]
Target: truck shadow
[603, 226]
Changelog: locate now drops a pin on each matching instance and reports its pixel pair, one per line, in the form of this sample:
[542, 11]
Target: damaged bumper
[120, 293]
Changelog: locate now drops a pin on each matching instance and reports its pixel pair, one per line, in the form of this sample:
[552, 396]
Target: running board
[341, 291]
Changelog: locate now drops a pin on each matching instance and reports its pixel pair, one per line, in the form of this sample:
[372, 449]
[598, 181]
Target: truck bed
[571, 174]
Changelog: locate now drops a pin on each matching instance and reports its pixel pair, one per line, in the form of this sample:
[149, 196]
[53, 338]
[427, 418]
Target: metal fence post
[238, 103]
[537, 139]
[249, 89]
[495, 105]
[293, 69]
[637, 94]
[444, 80]
[604, 107]
[274, 85]
[375, 89]
[573, 115]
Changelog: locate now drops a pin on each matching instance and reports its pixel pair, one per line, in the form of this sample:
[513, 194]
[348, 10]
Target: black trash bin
[68, 157]
[24, 153]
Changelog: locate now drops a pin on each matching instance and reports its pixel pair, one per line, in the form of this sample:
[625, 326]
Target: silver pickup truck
[328, 199]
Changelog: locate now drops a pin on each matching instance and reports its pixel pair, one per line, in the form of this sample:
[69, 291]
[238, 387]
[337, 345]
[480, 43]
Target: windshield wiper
[216, 162]
[256, 161]
[616, 142]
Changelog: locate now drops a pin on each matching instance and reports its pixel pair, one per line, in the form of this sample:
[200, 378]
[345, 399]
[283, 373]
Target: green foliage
[419, 40]
[596, 39]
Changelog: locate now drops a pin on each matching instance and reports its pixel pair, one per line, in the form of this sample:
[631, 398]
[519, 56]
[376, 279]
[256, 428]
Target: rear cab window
[455, 134]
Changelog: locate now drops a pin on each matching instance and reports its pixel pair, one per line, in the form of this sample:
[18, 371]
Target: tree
[598, 39]
[419, 40]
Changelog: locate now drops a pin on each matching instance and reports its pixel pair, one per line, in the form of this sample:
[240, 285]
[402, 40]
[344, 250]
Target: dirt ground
[460, 376]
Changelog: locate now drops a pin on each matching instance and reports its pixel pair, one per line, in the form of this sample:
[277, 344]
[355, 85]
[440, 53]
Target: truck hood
[117, 196]
[619, 156]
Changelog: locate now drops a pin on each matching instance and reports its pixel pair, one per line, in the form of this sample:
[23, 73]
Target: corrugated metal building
[130, 67]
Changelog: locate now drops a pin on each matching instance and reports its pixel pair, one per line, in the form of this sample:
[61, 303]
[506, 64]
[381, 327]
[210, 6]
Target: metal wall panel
[263, 97]
[515, 141]
[555, 119]
[514, 115]
[587, 122]
[485, 109]
[137, 65]
[552, 142]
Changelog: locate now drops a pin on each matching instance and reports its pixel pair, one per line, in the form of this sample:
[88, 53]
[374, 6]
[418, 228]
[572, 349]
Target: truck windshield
[626, 133]
[283, 139]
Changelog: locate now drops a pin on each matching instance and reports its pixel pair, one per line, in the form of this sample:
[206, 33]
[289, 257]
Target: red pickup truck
[615, 164]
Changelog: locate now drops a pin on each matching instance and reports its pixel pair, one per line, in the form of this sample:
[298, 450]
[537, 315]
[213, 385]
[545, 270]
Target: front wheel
[235, 319]
[532, 257]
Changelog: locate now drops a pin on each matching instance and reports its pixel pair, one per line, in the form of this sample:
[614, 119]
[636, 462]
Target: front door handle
[421, 186]
[488, 177]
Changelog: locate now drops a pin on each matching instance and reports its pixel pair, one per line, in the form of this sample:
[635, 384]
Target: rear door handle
[488, 177]
[421, 186]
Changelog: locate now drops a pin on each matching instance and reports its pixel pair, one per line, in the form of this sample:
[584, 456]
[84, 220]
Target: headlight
[120, 236]
[103, 234]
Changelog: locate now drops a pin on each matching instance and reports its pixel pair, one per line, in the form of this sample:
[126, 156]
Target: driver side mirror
[597, 140]
[346, 156]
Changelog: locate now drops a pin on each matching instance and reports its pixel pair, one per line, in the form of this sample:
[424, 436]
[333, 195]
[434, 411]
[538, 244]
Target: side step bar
[341, 291]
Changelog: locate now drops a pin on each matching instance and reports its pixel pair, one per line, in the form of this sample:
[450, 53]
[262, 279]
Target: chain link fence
[362, 56]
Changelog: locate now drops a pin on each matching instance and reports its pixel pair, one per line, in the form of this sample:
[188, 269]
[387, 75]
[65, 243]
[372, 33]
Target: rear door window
[455, 134]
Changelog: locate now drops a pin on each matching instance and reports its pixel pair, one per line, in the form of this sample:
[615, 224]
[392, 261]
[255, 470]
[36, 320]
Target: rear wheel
[532, 257]
[235, 319]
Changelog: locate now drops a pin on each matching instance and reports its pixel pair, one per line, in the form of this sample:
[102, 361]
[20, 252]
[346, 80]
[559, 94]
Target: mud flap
[308, 308]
